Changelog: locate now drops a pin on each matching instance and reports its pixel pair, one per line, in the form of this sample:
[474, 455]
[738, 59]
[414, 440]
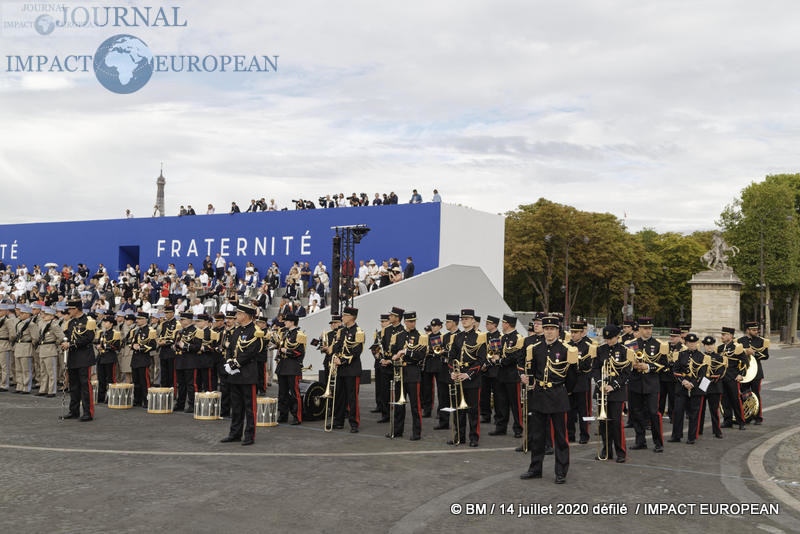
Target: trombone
[397, 377]
[602, 417]
[330, 396]
[526, 390]
[454, 389]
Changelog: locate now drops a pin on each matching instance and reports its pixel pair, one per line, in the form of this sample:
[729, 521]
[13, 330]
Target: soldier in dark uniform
[347, 349]
[228, 340]
[328, 338]
[432, 371]
[666, 399]
[550, 367]
[507, 393]
[490, 369]
[218, 328]
[580, 402]
[143, 342]
[110, 343]
[713, 394]
[79, 334]
[612, 431]
[689, 370]
[731, 382]
[466, 357]
[685, 328]
[187, 345]
[244, 343]
[263, 355]
[408, 349]
[644, 385]
[443, 378]
[387, 370]
[755, 345]
[627, 331]
[289, 370]
[376, 353]
[166, 339]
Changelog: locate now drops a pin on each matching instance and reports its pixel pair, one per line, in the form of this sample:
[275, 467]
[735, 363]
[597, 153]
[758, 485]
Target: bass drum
[313, 404]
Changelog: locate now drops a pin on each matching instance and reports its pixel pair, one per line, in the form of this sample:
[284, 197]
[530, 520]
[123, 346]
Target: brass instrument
[396, 377]
[750, 405]
[602, 405]
[330, 392]
[456, 389]
[525, 415]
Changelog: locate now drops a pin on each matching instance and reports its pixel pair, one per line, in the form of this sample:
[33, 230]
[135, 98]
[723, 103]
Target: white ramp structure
[432, 294]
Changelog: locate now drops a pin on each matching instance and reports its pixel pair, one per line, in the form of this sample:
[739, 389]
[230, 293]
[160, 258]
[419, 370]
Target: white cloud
[663, 111]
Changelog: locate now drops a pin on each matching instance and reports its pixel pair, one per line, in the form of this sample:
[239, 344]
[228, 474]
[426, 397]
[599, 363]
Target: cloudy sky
[659, 110]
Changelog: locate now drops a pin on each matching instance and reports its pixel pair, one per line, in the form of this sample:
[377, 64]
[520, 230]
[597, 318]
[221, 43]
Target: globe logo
[44, 24]
[123, 64]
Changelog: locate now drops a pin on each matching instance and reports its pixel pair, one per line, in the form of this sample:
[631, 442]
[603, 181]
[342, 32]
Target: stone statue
[716, 258]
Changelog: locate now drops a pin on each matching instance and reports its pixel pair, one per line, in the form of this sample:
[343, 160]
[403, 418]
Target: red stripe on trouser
[113, 373]
[566, 435]
[660, 427]
[91, 399]
[479, 412]
[147, 379]
[702, 407]
[621, 432]
[175, 381]
[297, 393]
[208, 384]
[254, 411]
[194, 380]
[552, 432]
[419, 405]
[739, 398]
[358, 408]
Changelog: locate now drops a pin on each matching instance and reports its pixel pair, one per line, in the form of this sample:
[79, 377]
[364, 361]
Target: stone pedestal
[715, 301]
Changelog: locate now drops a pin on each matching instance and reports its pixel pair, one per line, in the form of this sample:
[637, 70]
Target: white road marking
[789, 387]
[755, 462]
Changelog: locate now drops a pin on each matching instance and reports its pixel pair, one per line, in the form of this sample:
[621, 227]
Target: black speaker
[336, 273]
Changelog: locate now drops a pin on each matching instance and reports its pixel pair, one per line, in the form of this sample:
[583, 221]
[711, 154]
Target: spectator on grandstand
[416, 198]
[436, 196]
[210, 210]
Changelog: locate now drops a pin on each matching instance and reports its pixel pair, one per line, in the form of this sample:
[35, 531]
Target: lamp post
[632, 292]
[566, 279]
[761, 285]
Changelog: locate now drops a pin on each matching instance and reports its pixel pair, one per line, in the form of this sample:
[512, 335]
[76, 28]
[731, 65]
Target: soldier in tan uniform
[126, 353]
[25, 333]
[36, 309]
[50, 337]
[6, 324]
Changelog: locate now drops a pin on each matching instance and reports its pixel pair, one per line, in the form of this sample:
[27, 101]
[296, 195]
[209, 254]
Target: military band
[565, 383]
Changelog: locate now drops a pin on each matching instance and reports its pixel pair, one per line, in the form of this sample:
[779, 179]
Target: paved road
[130, 472]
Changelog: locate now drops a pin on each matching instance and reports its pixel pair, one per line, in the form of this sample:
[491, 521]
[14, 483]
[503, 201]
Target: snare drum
[159, 400]
[207, 405]
[266, 411]
[94, 391]
[120, 396]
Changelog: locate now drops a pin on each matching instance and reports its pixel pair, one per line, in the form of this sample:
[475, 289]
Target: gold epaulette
[91, 324]
[151, 333]
[592, 351]
[738, 348]
[707, 359]
[97, 335]
[360, 336]
[214, 335]
[481, 338]
[663, 348]
[423, 340]
[766, 343]
[258, 332]
[200, 333]
[392, 339]
[520, 343]
[725, 361]
[572, 354]
[631, 355]
[117, 336]
[301, 337]
[529, 353]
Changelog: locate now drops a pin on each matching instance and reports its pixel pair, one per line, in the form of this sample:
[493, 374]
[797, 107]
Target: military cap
[203, 317]
[397, 311]
[674, 331]
[291, 317]
[539, 316]
[74, 305]
[436, 322]
[142, 315]
[169, 308]
[685, 327]
[120, 314]
[477, 318]
[187, 315]
[728, 330]
[751, 324]
[410, 316]
[610, 331]
[336, 318]
[246, 308]
[492, 319]
[219, 316]
[107, 318]
[36, 305]
[629, 323]
[576, 327]
[510, 319]
[47, 310]
[451, 317]
[467, 312]
[691, 338]
[350, 310]
[645, 322]
[384, 317]
[550, 321]
[230, 314]
[709, 340]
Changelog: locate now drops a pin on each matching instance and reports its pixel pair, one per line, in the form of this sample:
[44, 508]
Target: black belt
[48, 343]
[3, 339]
